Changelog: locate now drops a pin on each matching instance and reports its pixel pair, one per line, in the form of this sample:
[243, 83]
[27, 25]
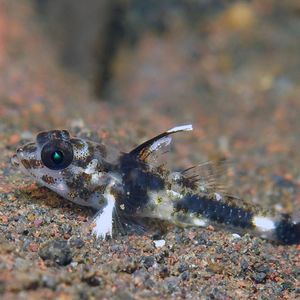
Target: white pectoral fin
[103, 222]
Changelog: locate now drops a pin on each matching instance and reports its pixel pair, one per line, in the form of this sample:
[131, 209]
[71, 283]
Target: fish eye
[57, 155]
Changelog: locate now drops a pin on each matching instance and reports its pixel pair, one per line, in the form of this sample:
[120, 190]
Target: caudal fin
[288, 232]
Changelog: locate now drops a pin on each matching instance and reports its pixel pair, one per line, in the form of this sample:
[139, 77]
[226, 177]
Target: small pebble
[57, 251]
[183, 267]
[287, 285]
[148, 261]
[159, 243]
[77, 243]
[49, 281]
[33, 247]
[74, 264]
[92, 279]
[164, 272]
[283, 182]
[244, 265]
[38, 222]
[259, 277]
[185, 275]
[129, 265]
[236, 236]
[171, 284]
[262, 268]
[215, 268]
[2, 287]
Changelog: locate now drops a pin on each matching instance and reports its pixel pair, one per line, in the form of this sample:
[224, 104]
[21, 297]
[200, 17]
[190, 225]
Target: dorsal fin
[209, 178]
[159, 142]
[206, 177]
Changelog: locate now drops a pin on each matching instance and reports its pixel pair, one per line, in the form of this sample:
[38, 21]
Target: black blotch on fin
[216, 211]
[287, 232]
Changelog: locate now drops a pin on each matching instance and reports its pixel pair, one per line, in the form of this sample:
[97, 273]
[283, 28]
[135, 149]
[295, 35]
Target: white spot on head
[188, 127]
[159, 243]
[263, 223]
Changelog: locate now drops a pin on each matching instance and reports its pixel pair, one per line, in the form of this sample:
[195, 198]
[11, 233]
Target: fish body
[134, 186]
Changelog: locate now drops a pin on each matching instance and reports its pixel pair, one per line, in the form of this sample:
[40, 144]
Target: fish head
[72, 167]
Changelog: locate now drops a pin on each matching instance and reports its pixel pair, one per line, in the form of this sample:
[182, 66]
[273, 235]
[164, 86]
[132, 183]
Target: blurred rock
[239, 16]
[57, 251]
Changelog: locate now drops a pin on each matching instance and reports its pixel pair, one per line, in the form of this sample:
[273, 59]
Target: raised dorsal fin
[157, 143]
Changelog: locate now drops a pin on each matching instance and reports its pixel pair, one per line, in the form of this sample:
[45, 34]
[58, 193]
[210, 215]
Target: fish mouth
[15, 162]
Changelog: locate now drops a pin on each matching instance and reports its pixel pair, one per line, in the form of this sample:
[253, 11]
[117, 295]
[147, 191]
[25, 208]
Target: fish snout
[15, 161]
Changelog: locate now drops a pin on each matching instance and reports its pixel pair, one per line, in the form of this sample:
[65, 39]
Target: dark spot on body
[77, 184]
[48, 179]
[82, 161]
[36, 163]
[73, 194]
[77, 144]
[84, 193]
[32, 163]
[26, 164]
[103, 166]
[86, 177]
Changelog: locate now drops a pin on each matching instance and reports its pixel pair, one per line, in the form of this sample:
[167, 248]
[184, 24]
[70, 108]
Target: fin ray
[207, 177]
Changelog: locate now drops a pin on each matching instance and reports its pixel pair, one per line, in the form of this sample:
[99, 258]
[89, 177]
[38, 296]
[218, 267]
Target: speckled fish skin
[131, 186]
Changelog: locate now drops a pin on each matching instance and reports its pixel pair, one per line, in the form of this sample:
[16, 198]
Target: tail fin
[288, 232]
[202, 211]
